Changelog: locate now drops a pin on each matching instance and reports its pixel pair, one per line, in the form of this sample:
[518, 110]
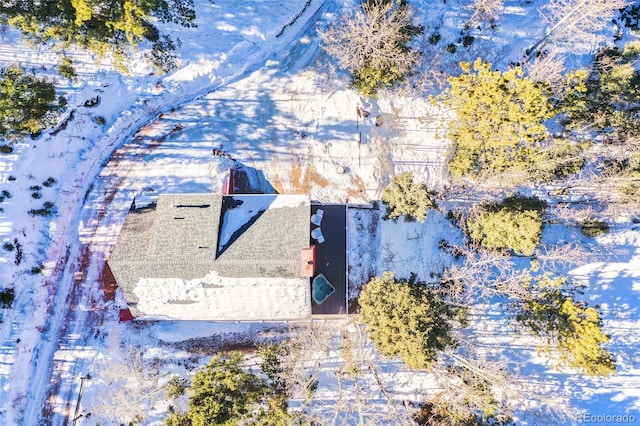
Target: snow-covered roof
[215, 297]
[250, 243]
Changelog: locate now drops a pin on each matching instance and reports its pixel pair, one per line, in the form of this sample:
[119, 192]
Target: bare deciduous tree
[609, 191]
[570, 215]
[372, 36]
[341, 354]
[547, 68]
[556, 257]
[131, 387]
[473, 383]
[483, 274]
[308, 346]
[485, 11]
[579, 22]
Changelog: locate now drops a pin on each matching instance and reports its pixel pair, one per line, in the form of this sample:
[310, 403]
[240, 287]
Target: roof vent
[193, 206]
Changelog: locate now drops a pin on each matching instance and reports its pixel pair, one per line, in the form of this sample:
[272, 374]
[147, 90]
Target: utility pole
[358, 114]
[76, 416]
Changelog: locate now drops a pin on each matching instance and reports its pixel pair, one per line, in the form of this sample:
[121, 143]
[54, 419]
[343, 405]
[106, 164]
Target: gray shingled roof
[179, 238]
[270, 246]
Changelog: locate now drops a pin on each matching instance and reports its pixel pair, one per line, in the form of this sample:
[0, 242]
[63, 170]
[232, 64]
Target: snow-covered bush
[404, 197]
[514, 224]
[594, 228]
[404, 318]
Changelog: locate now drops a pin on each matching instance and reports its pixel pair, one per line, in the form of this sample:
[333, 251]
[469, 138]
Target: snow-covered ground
[276, 104]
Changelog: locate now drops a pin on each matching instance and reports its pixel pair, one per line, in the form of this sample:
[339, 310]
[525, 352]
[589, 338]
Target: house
[217, 257]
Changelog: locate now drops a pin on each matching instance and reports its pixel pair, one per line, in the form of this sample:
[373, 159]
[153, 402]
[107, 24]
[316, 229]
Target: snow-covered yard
[275, 104]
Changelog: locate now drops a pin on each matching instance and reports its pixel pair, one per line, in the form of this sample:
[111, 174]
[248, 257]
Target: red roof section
[125, 315]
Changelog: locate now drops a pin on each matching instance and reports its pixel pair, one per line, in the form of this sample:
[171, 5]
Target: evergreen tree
[570, 328]
[105, 27]
[277, 387]
[404, 318]
[66, 69]
[499, 119]
[404, 197]
[514, 224]
[559, 159]
[607, 96]
[224, 393]
[176, 418]
[27, 104]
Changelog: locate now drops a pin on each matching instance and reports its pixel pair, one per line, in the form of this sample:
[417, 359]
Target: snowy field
[275, 104]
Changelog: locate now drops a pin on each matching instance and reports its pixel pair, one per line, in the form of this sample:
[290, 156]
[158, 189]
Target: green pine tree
[224, 393]
[498, 120]
[28, 104]
[404, 197]
[569, 328]
[115, 27]
[176, 418]
[514, 224]
[607, 95]
[404, 318]
[66, 69]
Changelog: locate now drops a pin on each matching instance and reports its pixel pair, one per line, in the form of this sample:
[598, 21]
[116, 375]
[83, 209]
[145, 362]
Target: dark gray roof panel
[271, 245]
[186, 228]
[132, 244]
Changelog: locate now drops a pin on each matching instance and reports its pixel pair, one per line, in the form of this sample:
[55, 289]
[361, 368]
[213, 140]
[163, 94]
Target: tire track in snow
[83, 285]
[88, 269]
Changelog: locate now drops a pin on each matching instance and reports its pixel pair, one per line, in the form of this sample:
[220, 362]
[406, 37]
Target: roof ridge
[221, 261]
[162, 261]
[265, 261]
